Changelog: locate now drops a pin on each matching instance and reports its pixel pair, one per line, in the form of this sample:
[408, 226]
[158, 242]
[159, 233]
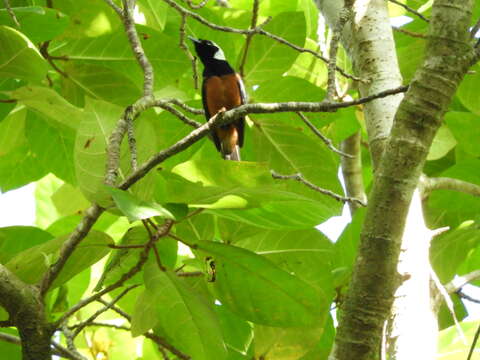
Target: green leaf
[467, 91]
[12, 131]
[452, 208]
[450, 249]
[50, 104]
[255, 289]
[90, 144]
[285, 343]
[465, 127]
[19, 167]
[45, 210]
[31, 264]
[15, 239]
[19, 58]
[309, 67]
[68, 200]
[88, 18]
[8, 350]
[238, 333]
[103, 83]
[442, 143]
[135, 209]
[113, 51]
[455, 345]
[188, 322]
[268, 58]
[306, 254]
[52, 146]
[155, 13]
[142, 319]
[37, 23]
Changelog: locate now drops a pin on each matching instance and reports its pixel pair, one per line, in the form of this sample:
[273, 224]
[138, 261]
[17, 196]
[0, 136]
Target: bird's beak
[193, 39]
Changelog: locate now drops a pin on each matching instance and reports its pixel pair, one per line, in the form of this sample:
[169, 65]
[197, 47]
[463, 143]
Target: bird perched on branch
[222, 89]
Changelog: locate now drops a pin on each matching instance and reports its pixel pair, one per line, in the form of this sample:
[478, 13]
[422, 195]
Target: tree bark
[375, 278]
[26, 311]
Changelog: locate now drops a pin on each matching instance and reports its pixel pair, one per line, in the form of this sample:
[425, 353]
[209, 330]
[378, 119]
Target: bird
[222, 89]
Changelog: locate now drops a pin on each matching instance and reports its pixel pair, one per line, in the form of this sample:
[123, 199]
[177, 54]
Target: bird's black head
[207, 50]
[212, 57]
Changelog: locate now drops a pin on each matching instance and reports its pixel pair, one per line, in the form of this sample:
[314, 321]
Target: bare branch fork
[299, 177]
[410, 10]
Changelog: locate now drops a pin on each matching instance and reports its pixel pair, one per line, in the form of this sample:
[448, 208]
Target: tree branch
[248, 40]
[442, 183]
[410, 10]
[460, 281]
[352, 170]
[11, 13]
[322, 137]
[299, 177]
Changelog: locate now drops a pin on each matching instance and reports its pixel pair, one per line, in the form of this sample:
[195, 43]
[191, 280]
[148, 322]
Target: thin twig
[185, 107]
[132, 142]
[460, 281]
[163, 231]
[79, 327]
[46, 55]
[69, 339]
[409, 9]
[115, 7]
[191, 274]
[299, 177]
[467, 297]
[409, 33]
[442, 183]
[158, 340]
[248, 40]
[325, 140]
[11, 13]
[474, 343]
[344, 16]
[82, 229]
[59, 350]
[166, 106]
[186, 50]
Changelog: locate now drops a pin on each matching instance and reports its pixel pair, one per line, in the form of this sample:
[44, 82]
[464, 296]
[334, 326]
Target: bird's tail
[234, 155]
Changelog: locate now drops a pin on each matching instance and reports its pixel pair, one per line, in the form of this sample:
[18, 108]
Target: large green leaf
[442, 144]
[90, 149]
[31, 264]
[467, 91]
[19, 58]
[38, 23]
[450, 249]
[255, 289]
[465, 127]
[88, 18]
[285, 343]
[455, 344]
[103, 83]
[19, 167]
[452, 208]
[307, 254]
[155, 13]
[12, 131]
[186, 319]
[113, 51]
[50, 104]
[8, 350]
[52, 146]
[68, 200]
[15, 239]
[135, 209]
[268, 58]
